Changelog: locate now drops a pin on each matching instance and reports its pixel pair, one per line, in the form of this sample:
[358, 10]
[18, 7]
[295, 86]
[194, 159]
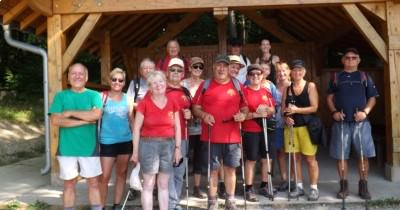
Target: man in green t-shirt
[76, 111]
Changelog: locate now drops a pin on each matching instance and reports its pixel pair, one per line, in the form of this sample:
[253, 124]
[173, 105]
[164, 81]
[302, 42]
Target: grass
[27, 110]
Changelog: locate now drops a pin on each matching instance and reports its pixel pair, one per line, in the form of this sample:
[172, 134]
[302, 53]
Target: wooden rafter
[269, 25]
[143, 38]
[41, 29]
[174, 29]
[78, 40]
[130, 32]
[26, 22]
[43, 7]
[68, 21]
[366, 29]
[305, 27]
[15, 11]
[112, 6]
[334, 34]
[378, 9]
[154, 22]
[121, 28]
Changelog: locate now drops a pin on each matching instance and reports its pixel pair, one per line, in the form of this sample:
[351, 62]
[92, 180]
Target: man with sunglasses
[351, 97]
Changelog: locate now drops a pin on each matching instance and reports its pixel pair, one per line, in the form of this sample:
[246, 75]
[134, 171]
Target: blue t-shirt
[115, 126]
[351, 92]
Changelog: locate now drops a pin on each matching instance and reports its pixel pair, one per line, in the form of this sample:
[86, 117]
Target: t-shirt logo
[231, 92]
[184, 98]
[264, 98]
[171, 115]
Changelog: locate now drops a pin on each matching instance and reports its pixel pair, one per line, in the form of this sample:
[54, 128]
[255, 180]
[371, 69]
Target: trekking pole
[187, 165]
[294, 162]
[289, 160]
[126, 199]
[209, 154]
[361, 154]
[270, 188]
[342, 160]
[243, 176]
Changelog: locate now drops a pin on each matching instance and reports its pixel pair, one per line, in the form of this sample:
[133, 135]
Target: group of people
[244, 113]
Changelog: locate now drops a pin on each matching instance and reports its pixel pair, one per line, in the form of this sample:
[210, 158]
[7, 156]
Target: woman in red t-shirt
[156, 139]
[261, 105]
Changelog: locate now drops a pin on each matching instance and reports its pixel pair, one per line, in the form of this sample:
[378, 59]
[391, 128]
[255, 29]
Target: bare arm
[91, 115]
[137, 126]
[58, 119]
[313, 97]
[362, 114]
[206, 117]
[178, 138]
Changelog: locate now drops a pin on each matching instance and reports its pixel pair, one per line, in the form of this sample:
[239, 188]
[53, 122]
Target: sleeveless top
[301, 100]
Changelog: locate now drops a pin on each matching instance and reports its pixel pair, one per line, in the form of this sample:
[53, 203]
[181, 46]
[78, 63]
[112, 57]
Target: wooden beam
[378, 9]
[15, 11]
[269, 25]
[80, 37]
[54, 51]
[174, 29]
[222, 37]
[220, 13]
[105, 58]
[367, 30]
[112, 6]
[28, 20]
[44, 7]
[41, 28]
[69, 20]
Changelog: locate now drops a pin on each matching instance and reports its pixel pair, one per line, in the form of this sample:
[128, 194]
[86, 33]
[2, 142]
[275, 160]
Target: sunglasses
[176, 70]
[254, 74]
[119, 80]
[351, 57]
[200, 67]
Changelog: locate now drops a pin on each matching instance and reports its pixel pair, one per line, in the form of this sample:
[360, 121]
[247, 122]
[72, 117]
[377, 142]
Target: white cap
[176, 61]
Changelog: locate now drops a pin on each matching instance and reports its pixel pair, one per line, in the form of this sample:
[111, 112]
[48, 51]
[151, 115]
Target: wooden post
[55, 45]
[220, 15]
[105, 49]
[392, 94]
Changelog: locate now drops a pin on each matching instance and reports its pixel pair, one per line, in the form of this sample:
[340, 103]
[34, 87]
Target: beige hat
[176, 61]
[196, 60]
[235, 59]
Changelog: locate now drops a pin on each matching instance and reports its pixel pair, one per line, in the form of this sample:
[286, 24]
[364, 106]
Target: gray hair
[147, 61]
[151, 76]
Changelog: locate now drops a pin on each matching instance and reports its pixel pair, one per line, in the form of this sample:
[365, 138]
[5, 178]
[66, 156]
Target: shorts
[229, 153]
[254, 146]
[113, 150]
[71, 167]
[156, 156]
[278, 138]
[301, 141]
[353, 133]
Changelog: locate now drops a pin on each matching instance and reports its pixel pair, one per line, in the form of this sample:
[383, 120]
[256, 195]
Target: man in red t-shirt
[221, 109]
[173, 50]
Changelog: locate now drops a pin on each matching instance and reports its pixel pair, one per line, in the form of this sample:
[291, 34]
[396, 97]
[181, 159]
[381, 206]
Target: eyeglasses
[176, 70]
[119, 80]
[254, 74]
[200, 67]
[351, 57]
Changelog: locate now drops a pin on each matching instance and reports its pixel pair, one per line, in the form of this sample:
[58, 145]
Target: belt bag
[315, 129]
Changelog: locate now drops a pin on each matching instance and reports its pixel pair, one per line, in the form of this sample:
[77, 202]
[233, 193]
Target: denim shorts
[229, 153]
[254, 146]
[156, 156]
[353, 134]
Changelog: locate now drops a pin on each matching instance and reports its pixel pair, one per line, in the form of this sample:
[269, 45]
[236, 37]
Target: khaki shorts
[301, 141]
[71, 167]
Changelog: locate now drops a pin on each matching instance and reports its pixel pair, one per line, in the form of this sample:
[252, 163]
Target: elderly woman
[156, 140]
[115, 136]
[267, 57]
[261, 105]
[301, 98]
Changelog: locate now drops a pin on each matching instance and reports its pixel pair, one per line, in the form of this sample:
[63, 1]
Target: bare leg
[147, 192]
[342, 173]
[163, 196]
[230, 180]
[212, 192]
[121, 169]
[93, 191]
[313, 169]
[106, 165]
[363, 174]
[69, 193]
[249, 171]
[282, 164]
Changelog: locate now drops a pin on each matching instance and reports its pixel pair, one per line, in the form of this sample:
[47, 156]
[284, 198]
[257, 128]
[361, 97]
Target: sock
[248, 187]
[300, 185]
[263, 184]
[314, 186]
[96, 207]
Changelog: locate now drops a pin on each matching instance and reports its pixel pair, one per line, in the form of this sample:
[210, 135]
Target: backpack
[235, 82]
[136, 87]
[335, 78]
[245, 59]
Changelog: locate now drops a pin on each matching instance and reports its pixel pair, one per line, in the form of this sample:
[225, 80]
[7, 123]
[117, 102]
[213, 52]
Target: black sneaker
[265, 192]
[251, 196]
[284, 186]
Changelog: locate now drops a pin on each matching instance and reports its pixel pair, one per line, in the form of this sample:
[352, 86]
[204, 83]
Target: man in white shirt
[235, 45]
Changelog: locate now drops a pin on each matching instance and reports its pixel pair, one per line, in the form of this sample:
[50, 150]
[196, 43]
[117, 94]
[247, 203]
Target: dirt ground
[20, 141]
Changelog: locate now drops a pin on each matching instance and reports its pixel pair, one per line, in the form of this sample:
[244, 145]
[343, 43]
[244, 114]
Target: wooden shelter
[126, 31]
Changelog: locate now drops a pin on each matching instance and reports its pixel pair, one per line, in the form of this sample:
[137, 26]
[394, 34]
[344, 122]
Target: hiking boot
[314, 195]
[230, 204]
[296, 193]
[344, 189]
[198, 193]
[284, 186]
[251, 196]
[363, 190]
[212, 204]
[221, 190]
[265, 192]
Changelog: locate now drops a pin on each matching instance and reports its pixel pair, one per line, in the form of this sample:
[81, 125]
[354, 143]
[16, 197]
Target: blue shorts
[156, 156]
[229, 153]
[353, 134]
[278, 138]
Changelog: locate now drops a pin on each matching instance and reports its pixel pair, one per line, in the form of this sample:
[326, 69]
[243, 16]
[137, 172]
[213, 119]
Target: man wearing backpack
[351, 97]
[236, 49]
[138, 87]
[220, 104]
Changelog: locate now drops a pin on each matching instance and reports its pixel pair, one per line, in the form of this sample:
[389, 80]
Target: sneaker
[363, 190]
[212, 204]
[265, 192]
[221, 190]
[251, 196]
[296, 193]
[284, 186]
[198, 193]
[344, 189]
[230, 204]
[314, 195]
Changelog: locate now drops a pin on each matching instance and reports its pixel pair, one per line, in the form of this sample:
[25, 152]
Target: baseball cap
[235, 59]
[195, 60]
[253, 67]
[235, 42]
[297, 63]
[222, 58]
[351, 49]
[176, 61]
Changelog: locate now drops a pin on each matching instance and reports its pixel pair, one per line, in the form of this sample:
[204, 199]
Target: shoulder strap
[206, 84]
[245, 59]
[334, 78]
[364, 78]
[237, 87]
[136, 85]
[104, 97]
